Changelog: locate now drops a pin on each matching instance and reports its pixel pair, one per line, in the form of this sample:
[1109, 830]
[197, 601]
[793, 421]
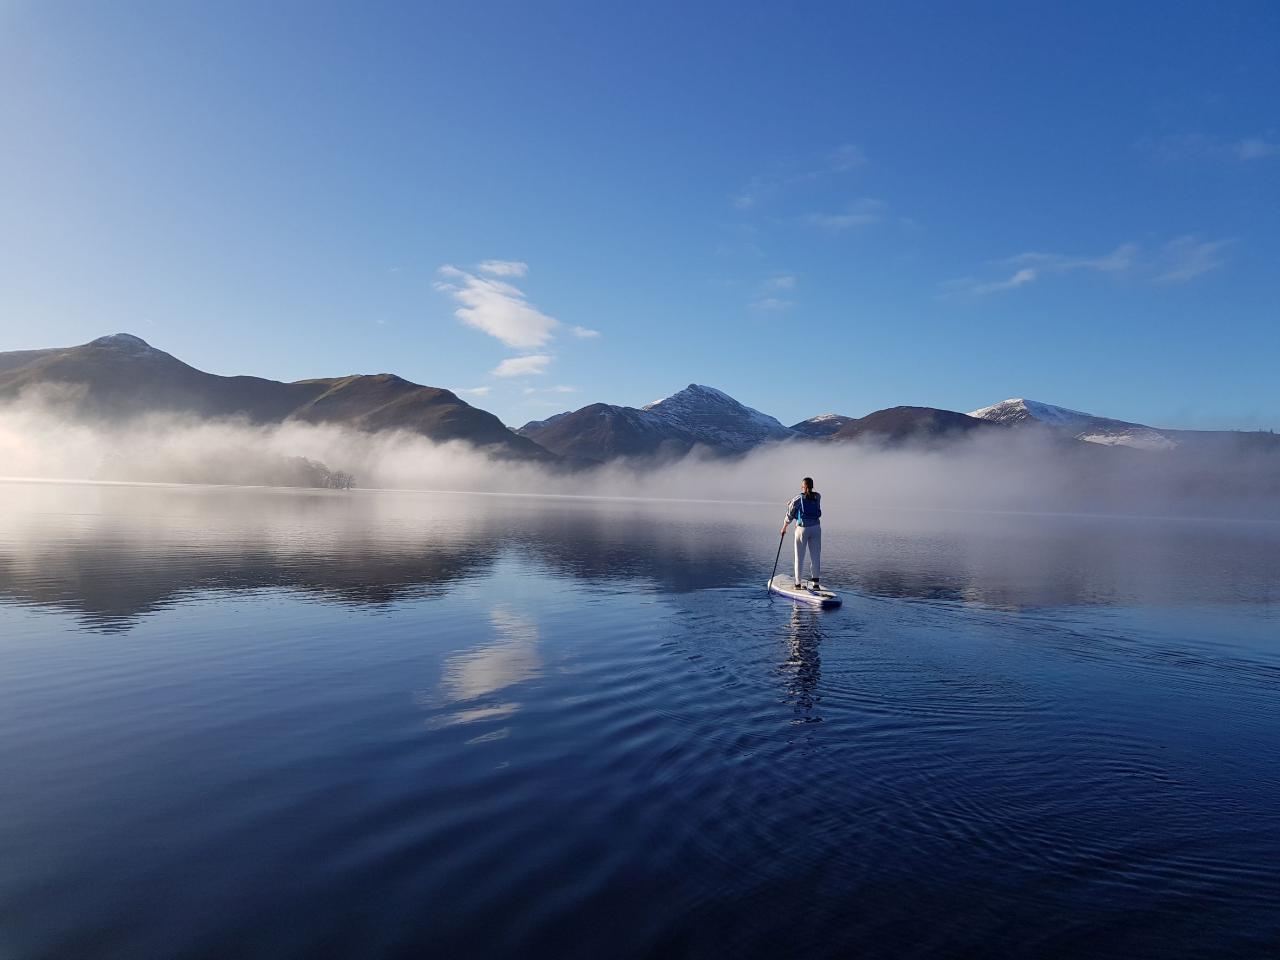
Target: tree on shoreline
[303, 472]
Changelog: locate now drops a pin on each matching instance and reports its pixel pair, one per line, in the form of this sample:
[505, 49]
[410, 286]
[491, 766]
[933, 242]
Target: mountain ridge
[823, 425]
[697, 415]
[122, 376]
[713, 417]
[909, 423]
[1086, 427]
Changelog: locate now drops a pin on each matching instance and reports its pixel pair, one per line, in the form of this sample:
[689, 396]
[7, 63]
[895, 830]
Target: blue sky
[813, 207]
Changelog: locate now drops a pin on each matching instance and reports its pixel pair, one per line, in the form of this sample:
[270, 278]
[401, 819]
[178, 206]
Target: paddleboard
[784, 585]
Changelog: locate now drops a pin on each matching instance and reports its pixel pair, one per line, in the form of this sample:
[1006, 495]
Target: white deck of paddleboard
[784, 585]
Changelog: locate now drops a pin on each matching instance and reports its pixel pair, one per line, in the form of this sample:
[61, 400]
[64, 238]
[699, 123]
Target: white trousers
[810, 537]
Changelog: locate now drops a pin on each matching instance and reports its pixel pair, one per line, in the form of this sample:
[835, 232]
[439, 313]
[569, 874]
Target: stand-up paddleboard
[784, 585]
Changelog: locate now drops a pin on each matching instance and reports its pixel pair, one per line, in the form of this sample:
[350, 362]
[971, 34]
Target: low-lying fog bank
[1009, 471]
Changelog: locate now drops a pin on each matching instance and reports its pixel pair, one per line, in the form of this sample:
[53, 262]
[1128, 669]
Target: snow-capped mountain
[697, 415]
[823, 425]
[1082, 426]
[713, 417]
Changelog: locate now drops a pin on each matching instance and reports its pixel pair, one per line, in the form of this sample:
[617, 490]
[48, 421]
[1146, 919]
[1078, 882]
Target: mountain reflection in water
[114, 553]
[281, 723]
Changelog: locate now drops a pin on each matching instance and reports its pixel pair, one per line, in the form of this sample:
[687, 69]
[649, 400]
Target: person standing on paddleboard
[806, 511]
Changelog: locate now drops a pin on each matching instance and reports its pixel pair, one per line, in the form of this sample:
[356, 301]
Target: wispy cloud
[1242, 149]
[1020, 279]
[1177, 261]
[558, 388]
[503, 268]
[1255, 148]
[846, 157]
[531, 365]
[497, 308]
[1185, 258]
[1122, 257]
[772, 293]
[773, 303]
[860, 213]
[473, 391]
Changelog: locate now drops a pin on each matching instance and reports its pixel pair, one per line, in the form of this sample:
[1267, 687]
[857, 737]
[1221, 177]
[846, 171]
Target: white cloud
[771, 294]
[497, 308]
[860, 213]
[474, 391]
[1030, 266]
[504, 268]
[522, 366]
[1178, 261]
[1121, 258]
[1019, 279]
[1186, 258]
[558, 388]
[773, 303]
[968, 286]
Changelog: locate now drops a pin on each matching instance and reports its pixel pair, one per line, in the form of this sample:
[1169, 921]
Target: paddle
[776, 556]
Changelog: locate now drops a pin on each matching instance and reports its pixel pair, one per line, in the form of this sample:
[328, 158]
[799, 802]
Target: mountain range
[123, 376]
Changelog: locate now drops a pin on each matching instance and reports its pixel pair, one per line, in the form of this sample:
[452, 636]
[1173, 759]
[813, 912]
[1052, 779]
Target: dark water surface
[248, 723]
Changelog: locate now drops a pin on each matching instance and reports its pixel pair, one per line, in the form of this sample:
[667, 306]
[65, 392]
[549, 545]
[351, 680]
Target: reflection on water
[113, 554]
[276, 724]
[492, 668]
[495, 666]
[803, 667]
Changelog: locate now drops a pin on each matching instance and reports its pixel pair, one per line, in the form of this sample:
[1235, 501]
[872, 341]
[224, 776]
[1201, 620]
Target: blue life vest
[808, 511]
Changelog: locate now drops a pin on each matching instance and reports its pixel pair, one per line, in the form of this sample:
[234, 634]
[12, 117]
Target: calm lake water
[269, 723]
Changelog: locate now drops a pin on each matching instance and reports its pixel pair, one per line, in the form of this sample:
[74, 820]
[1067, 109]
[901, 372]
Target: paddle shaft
[777, 556]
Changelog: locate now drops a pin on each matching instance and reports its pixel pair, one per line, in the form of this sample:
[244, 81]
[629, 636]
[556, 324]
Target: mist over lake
[264, 723]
